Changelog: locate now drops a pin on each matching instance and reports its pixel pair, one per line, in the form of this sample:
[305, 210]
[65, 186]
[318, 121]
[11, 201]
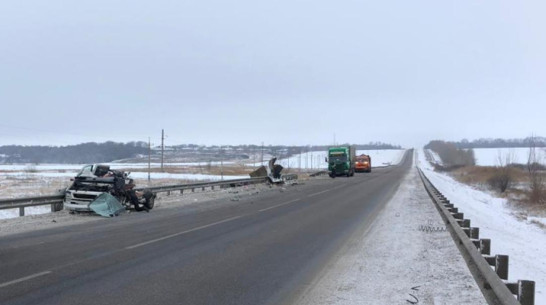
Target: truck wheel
[151, 203]
[58, 207]
[150, 200]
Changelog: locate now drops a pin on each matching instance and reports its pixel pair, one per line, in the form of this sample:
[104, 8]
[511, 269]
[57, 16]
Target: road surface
[260, 250]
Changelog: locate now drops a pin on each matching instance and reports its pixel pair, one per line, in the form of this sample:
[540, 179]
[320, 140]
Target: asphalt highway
[261, 250]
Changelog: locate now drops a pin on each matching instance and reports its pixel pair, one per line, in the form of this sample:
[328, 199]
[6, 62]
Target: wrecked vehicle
[272, 172]
[86, 194]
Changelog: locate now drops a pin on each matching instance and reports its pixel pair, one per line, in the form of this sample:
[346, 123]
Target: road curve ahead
[260, 250]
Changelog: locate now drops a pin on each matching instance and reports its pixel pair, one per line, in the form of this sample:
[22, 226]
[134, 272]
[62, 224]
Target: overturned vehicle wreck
[106, 192]
[272, 172]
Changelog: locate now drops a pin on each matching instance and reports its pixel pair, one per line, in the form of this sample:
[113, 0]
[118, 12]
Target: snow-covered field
[315, 160]
[522, 240]
[490, 156]
[76, 167]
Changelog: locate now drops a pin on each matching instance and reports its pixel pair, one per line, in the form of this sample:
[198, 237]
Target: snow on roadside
[383, 261]
[523, 241]
[13, 213]
[200, 201]
[435, 157]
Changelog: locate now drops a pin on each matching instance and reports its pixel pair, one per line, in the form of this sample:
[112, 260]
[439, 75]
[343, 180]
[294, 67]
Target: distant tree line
[292, 148]
[501, 143]
[452, 157]
[82, 153]
[110, 151]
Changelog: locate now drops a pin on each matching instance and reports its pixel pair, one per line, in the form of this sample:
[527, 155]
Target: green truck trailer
[341, 161]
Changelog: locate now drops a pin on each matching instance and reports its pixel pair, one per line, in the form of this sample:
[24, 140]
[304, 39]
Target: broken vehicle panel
[106, 205]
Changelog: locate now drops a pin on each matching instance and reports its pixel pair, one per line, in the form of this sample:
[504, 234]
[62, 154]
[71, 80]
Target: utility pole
[299, 164]
[307, 159]
[221, 164]
[162, 147]
[149, 158]
[262, 153]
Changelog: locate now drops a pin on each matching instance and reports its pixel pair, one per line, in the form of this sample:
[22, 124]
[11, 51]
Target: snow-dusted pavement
[390, 260]
[522, 240]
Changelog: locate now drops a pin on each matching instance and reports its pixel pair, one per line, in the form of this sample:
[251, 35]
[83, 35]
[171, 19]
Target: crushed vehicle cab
[363, 163]
[95, 180]
[272, 172]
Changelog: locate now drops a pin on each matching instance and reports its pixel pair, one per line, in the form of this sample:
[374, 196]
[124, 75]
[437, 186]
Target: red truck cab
[363, 163]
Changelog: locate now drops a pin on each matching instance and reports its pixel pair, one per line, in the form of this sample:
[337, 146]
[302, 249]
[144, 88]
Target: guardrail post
[22, 211]
[458, 215]
[485, 246]
[475, 233]
[56, 207]
[501, 266]
[526, 292]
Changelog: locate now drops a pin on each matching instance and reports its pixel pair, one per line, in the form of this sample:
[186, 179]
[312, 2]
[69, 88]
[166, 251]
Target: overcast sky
[281, 72]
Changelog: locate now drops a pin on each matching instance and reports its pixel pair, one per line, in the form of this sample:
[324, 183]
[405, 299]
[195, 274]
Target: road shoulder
[393, 261]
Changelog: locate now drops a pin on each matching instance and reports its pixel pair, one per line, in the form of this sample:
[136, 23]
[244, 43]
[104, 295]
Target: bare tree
[536, 178]
[502, 176]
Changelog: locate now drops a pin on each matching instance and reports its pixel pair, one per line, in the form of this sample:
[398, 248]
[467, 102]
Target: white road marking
[279, 205]
[180, 233]
[315, 194]
[26, 278]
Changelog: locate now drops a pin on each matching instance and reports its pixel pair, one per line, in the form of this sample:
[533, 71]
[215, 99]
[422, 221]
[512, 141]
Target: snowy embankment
[134, 175]
[490, 156]
[315, 160]
[70, 170]
[391, 259]
[523, 241]
[435, 157]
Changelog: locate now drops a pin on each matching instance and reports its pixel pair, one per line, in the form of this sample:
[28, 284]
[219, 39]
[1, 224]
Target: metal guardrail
[192, 186]
[476, 253]
[56, 201]
[318, 173]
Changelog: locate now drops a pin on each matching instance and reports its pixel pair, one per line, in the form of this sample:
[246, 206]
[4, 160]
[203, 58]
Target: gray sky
[282, 72]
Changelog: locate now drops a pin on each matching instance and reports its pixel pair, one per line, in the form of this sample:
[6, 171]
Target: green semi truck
[341, 161]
